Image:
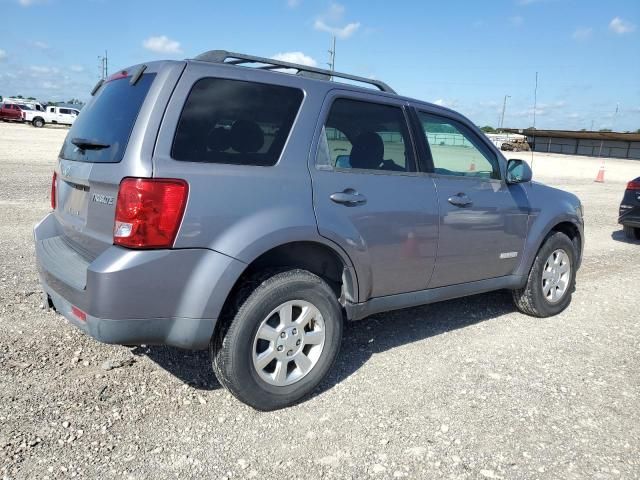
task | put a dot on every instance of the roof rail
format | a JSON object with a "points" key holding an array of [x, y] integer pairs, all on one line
{"points": [[231, 58]]}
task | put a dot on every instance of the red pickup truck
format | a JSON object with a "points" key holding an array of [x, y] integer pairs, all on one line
{"points": [[11, 112]]}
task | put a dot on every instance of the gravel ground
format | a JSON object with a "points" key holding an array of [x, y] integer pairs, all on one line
{"points": [[461, 389]]}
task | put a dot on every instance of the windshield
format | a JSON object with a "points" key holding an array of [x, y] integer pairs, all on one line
{"points": [[25, 107], [107, 121]]}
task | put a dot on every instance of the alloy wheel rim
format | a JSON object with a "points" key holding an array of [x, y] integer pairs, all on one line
{"points": [[556, 276], [288, 343]]}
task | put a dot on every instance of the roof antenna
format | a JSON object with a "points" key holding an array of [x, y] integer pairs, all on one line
{"points": [[535, 107]]}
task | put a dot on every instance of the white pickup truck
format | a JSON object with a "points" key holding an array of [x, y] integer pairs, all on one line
{"points": [[54, 115]]}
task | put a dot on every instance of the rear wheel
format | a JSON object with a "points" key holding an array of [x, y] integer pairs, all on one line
{"points": [[632, 233], [282, 341], [38, 122], [551, 280]]}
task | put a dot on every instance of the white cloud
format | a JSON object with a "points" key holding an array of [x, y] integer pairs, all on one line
{"points": [[329, 21], [582, 33], [47, 85], [28, 3], [41, 45], [162, 44], [76, 68], [293, 3], [516, 21], [445, 103], [39, 69], [620, 26], [296, 57], [3, 55]]}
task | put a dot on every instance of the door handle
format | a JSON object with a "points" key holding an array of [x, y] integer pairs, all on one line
{"points": [[348, 197], [460, 200]]}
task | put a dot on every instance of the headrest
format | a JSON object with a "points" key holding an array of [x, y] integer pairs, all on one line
{"points": [[219, 139], [367, 151], [246, 137]]}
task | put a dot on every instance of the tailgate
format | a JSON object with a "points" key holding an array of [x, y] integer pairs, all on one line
{"points": [[112, 138]]}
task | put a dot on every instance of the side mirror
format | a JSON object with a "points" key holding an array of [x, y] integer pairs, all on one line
{"points": [[518, 171]]}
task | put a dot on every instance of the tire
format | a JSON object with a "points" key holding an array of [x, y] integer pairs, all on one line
{"points": [[236, 349], [532, 299], [632, 233], [38, 122]]}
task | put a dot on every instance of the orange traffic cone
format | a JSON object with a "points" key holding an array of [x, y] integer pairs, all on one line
{"points": [[411, 248], [600, 176], [472, 167]]}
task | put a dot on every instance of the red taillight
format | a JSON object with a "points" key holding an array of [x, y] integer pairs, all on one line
{"points": [[633, 185], [149, 212], [54, 189], [79, 314]]}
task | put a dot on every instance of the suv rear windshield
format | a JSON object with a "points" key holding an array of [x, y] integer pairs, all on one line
{"points": [[236, 122], [106, 122]]}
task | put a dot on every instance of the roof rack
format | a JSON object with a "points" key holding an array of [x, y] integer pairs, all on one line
{"points": [[231, 58]]}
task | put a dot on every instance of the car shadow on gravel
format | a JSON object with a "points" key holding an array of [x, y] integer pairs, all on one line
{"points": [[190, 367], [361, 340], [619, 236], [382, 332]]}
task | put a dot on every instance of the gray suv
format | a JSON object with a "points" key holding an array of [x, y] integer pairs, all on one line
{"points": [[250, 206]]}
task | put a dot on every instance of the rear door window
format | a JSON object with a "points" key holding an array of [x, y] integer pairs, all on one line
{"points": [[107, 121], [235, 122]]}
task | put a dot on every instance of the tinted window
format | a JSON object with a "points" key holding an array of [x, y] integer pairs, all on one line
{"points": [[456, 150], [108, 120], [365, 136], [237, 122], [65, 111]]}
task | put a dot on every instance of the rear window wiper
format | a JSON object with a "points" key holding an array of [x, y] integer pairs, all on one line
{"points": [[84, 144]]}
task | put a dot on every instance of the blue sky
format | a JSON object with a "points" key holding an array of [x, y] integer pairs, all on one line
{"points": [[464, 54]]}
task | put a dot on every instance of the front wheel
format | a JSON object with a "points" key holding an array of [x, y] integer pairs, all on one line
{"points": [[551, 280], [282, 341], [632, 233], [38, 122]]}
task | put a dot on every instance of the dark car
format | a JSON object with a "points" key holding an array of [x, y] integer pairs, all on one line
{"points": [[630, 210], [10, 112]]}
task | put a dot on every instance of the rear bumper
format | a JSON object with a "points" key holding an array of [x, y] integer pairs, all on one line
{"points": [[629, 216], [167, 297], [190, 333]]}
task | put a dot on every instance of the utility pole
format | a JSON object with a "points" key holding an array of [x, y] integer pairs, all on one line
{"points": [[615, 117], [332, 56], [504, 107], [535, 102], [104, 65]]}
